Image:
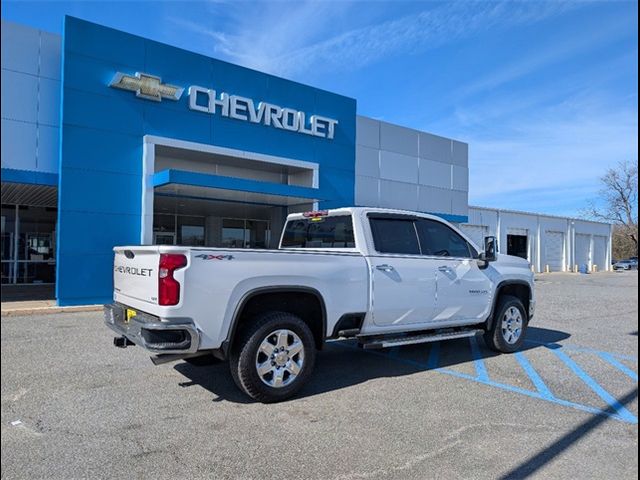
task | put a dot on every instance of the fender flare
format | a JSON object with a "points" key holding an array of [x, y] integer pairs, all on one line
{"points": [[496, 296], [226, 345]]}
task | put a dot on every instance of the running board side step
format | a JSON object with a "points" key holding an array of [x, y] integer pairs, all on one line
{"points": [[174, 357], [414, 339]]}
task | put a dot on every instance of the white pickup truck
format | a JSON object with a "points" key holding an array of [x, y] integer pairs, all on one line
{"points": [[382, 277]]}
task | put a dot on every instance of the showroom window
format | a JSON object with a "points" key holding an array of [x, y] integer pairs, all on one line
{"points": [[239, 233], [28, 244]]}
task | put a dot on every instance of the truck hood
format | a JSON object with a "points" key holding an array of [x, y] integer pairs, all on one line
{"points": [[508, 267], [512, 261]]}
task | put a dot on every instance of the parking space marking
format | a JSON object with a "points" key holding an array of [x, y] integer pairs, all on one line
{"points": [[534, 376], [595, 386], [615, 410], [481, 369], [607, 357], [434, 356], [575, 348]]}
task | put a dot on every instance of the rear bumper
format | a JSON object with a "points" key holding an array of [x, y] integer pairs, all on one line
{"points": [[150, 333]]}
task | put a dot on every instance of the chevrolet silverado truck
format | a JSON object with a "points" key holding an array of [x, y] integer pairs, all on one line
{"points": [[381, 277]]}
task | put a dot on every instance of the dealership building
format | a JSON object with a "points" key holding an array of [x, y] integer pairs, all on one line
{"points": [[113, 139]]}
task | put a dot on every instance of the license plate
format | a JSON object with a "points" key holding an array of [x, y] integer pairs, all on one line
{"points": [[130, 314]]}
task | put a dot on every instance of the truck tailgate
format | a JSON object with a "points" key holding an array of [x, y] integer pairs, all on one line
{"points": [[135, 273]]}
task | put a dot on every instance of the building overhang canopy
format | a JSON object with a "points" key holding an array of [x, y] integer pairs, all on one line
{"points": [[182, 183]]}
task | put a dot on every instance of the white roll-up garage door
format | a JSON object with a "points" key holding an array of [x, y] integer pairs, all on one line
{"points": [[600, 252], [476, 233], [583, 243], [554, 251]]}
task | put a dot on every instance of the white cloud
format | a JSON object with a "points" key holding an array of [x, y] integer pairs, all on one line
{"points": [[289, 38], [548, 144]]}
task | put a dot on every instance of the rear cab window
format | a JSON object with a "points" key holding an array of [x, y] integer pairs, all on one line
{"points": [[319, 232]]}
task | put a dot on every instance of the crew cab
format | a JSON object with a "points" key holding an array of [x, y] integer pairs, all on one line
{"points": [[382, 277]]}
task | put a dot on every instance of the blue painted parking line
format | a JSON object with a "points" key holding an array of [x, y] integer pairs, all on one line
{"points": [[532, 394], [434, 356], [620, 366], [582, 349], [593, 385], [615, 411], [481, 369], [536, 379]]}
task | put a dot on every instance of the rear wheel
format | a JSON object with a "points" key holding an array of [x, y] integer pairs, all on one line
{"points": [[274, 357], [509, 325]]}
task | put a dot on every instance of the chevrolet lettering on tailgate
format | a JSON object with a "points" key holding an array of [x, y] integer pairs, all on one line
{"points": [[143, 272]]}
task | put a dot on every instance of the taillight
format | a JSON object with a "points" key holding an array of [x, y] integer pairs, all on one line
{"points": [[168, 287]]}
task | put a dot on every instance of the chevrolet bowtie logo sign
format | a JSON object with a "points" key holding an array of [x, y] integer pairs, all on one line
{"points": [[236, 107], [146, 86]]}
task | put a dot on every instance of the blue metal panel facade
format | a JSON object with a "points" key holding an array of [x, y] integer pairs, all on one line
{"points": [[102, 129]]}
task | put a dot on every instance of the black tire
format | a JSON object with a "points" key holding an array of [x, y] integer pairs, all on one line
{"points": [[202, 360], [494, 337], [244, 354]]}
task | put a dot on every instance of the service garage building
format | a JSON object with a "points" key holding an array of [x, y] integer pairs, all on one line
{"points": [[110, 139]]}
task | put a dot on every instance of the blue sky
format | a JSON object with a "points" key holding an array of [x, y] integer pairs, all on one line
{"points": [[545, 93]]}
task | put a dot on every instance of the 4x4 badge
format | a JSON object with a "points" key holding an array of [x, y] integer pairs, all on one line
{"points": [[204, 256]]}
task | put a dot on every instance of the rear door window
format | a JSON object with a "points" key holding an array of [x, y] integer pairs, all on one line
{"points": [[391, 235]]}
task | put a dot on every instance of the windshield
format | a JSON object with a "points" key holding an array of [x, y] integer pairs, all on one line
{"points": [[319, 232]]}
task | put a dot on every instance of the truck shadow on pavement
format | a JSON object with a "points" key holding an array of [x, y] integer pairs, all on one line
{"points": [[342, 364]]}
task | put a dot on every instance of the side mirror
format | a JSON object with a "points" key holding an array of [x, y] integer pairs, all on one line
{"points": [[490, 247]]}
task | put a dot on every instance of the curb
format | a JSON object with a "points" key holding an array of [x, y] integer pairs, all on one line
{"points": [[16, 312]]}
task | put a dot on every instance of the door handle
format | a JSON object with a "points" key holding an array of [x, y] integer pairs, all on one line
{"points": [[444, 268], [385, 268]]}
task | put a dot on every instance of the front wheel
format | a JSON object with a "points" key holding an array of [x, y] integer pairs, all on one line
{"points": [[509, 325], [274, 357]]}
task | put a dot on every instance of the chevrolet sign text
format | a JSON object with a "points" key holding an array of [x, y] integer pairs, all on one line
{"points": [[241, 108]]}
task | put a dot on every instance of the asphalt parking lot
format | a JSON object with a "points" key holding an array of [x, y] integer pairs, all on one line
{"points": [[73, 406]]}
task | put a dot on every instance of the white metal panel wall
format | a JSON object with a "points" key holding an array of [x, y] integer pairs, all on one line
{"points": [[476, 233], [399, 167], [31, 65], [503, 222], [483, 216], [600, 252], [554, 251], [583, 246]]}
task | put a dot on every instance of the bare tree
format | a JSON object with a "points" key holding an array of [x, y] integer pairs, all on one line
{"points": [[619, 203]]}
